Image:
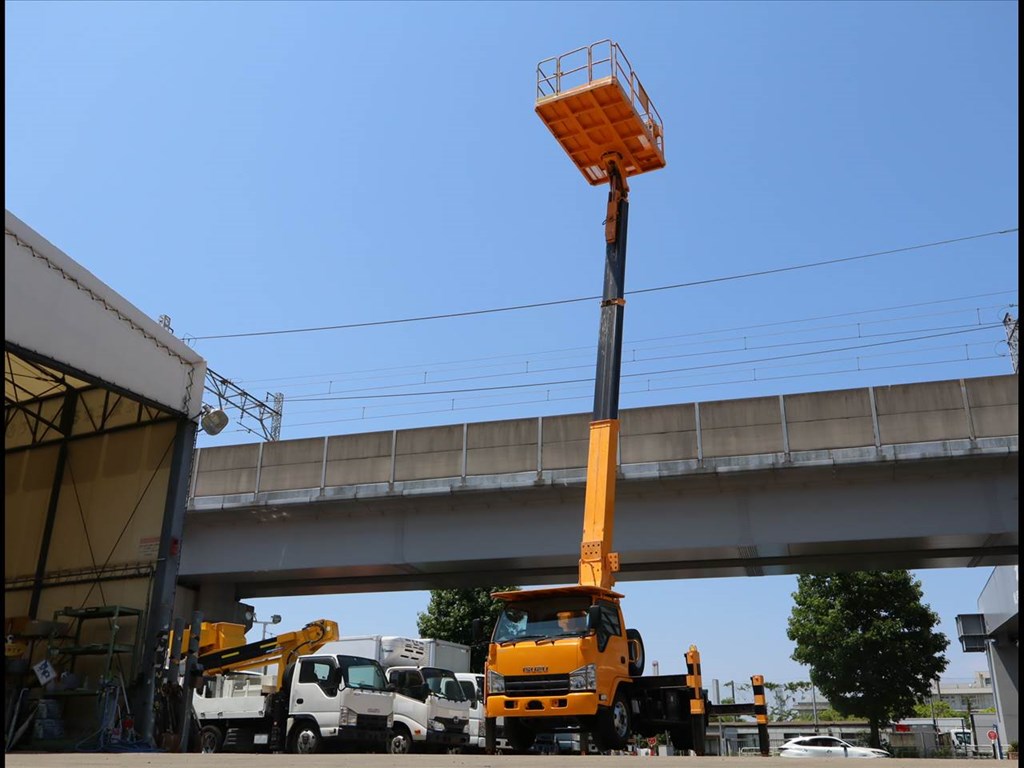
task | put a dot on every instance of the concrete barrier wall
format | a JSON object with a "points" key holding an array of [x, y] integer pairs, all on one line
{"points": [[917, 413], [359, 459], [227, 470], [742, 427], [500, 447], [993, 404], [565, 441], [823, 420], [816, 421], [291, 464], [665, 433], [421, 454]]}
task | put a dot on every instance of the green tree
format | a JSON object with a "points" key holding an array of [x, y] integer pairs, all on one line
{"points": [[935, 709], [829, 715], [783, 700], [450, 613], [869, 641]]}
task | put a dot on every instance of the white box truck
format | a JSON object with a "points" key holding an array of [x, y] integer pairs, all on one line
{"points": [[446, 655], [431, 710]]}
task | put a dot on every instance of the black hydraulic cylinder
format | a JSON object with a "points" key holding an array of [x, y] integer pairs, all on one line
{"points": [[609, 349]]}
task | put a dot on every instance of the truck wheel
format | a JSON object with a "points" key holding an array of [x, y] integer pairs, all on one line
{"points": [[614, 725], [520, 736], [636, 668], [306, 739], [211, 739], [400, 742]]}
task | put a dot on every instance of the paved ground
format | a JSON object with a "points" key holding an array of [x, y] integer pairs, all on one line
{"points": [[162, 760]]}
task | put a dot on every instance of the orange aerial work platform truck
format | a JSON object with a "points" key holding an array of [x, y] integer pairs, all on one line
{"points": [[563, 659]]}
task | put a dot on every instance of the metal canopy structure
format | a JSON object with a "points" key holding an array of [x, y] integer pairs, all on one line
{"points": [[100, 407]]}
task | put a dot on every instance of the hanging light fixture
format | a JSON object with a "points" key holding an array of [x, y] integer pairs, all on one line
{"points": [[213, 420]]}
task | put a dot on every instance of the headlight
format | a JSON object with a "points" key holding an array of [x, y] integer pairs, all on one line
{"points": [[495, 682], [435, 725], [347, 716], [583, 679]]}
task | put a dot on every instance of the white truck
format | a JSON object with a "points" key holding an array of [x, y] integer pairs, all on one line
{"points": [[473, 687], [446, 655], [431, 710], [320, 698], [456, 657]]}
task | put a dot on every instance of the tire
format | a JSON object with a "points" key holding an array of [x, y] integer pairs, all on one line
{"points": [[636, 669], [614, 725], [400, 742], [520, 736], [211, 740], [306, 739]]}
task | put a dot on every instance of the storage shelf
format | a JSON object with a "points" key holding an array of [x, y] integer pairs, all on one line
{"points": [[100, 612]]}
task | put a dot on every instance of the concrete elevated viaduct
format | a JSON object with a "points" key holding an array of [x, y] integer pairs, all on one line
{"points": [[917, 475]]}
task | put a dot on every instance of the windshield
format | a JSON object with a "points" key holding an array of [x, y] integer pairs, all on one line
{"points": [[563, 616], [443, 683], [357, 672]]}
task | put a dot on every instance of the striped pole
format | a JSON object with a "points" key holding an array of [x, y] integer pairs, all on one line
{"points": [[761, 713], [698, 716]]}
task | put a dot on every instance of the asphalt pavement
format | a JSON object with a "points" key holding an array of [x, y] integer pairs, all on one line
{"points": [[168, 760]]}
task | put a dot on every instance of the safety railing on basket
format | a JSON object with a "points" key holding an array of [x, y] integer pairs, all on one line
{"points": [[583, 66]]}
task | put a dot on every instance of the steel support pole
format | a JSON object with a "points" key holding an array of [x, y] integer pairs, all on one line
{"points": [[165, 578], [67, 421]]}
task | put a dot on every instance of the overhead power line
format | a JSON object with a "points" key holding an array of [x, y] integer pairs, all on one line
{"points": [[633, 393], [746, 348], [531, 385], [557, 302], [493, 361]]}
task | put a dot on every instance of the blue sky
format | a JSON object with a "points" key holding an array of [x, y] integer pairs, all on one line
{"points": [[254, 167]]}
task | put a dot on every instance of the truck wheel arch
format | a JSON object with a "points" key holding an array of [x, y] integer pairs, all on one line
{"points": [[301, 724], [211, 739]]}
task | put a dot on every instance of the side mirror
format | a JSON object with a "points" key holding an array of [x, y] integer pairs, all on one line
{"points": [[391, 688], [594, 617], [478, 631]]}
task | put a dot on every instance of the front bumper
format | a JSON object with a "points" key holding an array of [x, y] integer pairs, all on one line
{"points": [[357, 734], [448, 738], [579, 704]]}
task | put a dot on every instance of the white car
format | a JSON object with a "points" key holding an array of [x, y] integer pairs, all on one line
{"points": [[826, 746]]}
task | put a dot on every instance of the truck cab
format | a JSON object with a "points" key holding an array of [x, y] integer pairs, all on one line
{"points": [[431, 710], [562, 659], [338, 698]]}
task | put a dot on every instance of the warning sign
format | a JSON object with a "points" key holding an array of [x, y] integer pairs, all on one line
{"points": [[149, 546]]}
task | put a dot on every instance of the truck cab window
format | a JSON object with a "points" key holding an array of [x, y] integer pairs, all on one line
{"points": [[610, 625], [321, 672], [361, 673]]}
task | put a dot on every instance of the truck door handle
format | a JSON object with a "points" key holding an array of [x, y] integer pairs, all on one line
{"points": [[298, 701], [622, 659]]}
